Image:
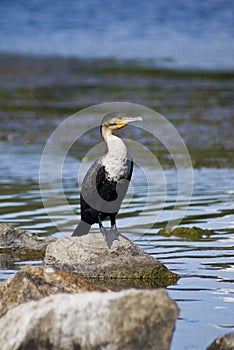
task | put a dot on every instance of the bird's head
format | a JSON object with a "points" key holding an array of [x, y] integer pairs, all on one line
{"points": [[116, 120]]}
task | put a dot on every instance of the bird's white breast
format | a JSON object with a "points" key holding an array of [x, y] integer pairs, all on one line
{"points": [[115, 161]]}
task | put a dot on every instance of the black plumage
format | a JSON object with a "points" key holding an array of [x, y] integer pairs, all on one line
{"points": [[106, 182]]}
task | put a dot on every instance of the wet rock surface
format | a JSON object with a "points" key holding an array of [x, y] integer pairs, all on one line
{"points": [[129, 320], [34, 283], [6, 261], [16, 242], [224, 342], [125, 264]]}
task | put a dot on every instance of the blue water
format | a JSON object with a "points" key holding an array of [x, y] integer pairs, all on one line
{"points": [[205, 292], [194, 34]]}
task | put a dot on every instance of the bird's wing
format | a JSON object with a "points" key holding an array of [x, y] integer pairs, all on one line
{"points": [[89, 188], [130, 168], [96, 188]]}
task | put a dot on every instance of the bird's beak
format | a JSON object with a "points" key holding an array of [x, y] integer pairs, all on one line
{"points": [[127, 120], [133, 119]]}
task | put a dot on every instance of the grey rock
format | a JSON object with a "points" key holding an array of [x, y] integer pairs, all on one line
{"points": [[12, 237], [129, 320], [124, 263], [223, 342], [19, 243]]}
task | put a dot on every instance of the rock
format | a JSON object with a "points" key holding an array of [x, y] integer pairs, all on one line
{"points": [[190, 233], [13, 237], [223, 342], [22, 244], [34, 283], [6, 262], [124, 264], [130, 320]]}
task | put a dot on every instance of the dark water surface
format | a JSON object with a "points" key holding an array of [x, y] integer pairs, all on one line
{"points": [[205, 292]]}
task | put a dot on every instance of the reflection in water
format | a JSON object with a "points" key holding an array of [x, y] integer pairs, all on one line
{"points": [[205, 293]]}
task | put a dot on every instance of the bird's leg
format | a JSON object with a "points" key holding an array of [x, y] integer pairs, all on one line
{"points": [[112, 220], [114, 230], [108, 236], [113, 223], [102, 228]]}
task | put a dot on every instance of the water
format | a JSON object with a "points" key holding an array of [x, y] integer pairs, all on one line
{"points": [[205, 292], [176, 33]]}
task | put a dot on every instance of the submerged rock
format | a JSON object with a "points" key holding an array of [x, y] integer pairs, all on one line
{"points": [[19, 243], [6, 261], [190, 233], [129, 320], [124, 264], [34, 283], [223, 342]]}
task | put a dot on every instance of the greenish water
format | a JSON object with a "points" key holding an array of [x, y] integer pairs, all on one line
{"points": [[37, 93]]}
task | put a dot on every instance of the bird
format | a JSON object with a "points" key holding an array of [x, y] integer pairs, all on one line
{"points": [[106, 182]]}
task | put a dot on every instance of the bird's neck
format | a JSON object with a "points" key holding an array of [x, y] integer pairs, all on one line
{"points": [[116, 148], [116, 159]]}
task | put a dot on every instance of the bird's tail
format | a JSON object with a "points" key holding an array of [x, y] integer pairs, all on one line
{"points": [[81, 229]]}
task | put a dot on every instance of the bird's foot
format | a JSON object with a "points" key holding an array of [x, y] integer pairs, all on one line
{"points": [[110, 235]]}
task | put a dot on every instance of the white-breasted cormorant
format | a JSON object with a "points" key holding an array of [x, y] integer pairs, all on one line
{"points": [[106, 182]]}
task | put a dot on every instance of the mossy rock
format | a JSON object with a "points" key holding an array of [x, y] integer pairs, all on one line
{"points": [[190, 233], [24, 254], [146, 277]]}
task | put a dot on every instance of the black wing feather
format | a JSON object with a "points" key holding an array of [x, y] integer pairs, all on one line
{"points": [[96, 184]]}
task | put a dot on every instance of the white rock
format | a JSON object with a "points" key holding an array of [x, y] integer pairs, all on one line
{"points": [[130, 320]]}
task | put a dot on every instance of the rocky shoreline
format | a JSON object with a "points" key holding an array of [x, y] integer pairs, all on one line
{"points": [[61, 298], [124, 265], [74, 293], [84, 296]]}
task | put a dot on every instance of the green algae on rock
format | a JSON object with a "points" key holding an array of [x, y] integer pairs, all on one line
{"points": [[24, 254], [151, 277], [190, 233]]}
